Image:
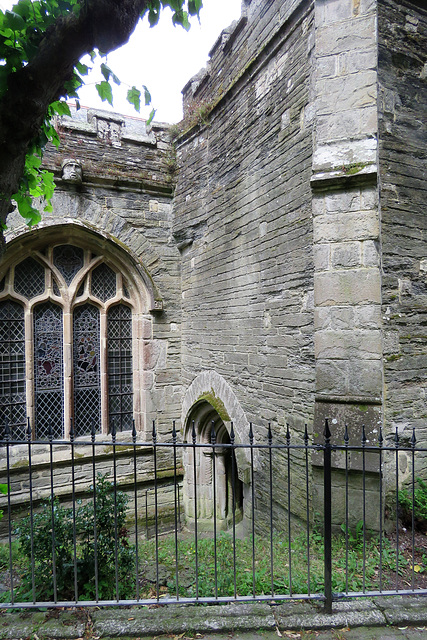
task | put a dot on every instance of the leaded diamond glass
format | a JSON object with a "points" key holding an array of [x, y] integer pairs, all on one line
{"points": [[48, 370], [68, 260], [56, 288], [119, 338], [12, 370], [103, 282], [87, 393], [2, 284], [29, 278]]}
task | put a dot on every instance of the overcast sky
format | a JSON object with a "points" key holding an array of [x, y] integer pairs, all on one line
{"points": [[163, 58]]}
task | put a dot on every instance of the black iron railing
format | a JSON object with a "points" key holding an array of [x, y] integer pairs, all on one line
{"points": [[110, 521]]}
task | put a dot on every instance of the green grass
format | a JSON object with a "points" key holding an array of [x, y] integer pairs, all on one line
{"points": [[226, 582], [246, 576]]}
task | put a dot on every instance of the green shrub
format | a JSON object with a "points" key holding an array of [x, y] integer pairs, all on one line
{"points": [[65, 564], [420, 505]]}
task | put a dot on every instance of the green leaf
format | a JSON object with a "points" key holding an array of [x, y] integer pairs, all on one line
{"points": [[150, 119], [3, 488], [194, 7], [181, 17], [107, 73], [153, 17], [26, 210], [14, 21], [147, 95], [61, 108], [105, 92], [134, 97], [83, 69]]}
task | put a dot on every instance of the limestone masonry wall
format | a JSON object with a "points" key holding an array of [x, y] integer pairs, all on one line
{"points": [[402, 74]]}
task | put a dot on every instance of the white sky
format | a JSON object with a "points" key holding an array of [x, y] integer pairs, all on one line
{"points": [[163, 58]]}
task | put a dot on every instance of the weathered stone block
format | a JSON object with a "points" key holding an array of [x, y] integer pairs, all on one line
{"points": [[357, 286], [339, 344], [346, 255]]}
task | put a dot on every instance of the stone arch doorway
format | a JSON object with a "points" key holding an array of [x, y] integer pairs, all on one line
{"points": [[202, 463]]}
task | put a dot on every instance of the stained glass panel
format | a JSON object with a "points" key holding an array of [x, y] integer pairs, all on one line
{"points": [[68, 260], [48, 370], [87, 392], [119, 339], [103, 282], [12, 370], [29, 278]]}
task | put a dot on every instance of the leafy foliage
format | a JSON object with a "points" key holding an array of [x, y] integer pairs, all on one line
{"points": [[22, 32], [52, 531], [3, 489], [419, 504]]}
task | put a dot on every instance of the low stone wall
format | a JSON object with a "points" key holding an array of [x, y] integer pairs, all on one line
{"points": [[59, 466]]}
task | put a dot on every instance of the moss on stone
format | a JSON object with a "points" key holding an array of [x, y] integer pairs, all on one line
{"points": [[216, 403]]}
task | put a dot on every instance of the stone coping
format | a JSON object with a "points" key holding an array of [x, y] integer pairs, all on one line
{"points": [[146, 621]]}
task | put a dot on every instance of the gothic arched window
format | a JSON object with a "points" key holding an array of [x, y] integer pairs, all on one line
{"points": [[65, 344]]}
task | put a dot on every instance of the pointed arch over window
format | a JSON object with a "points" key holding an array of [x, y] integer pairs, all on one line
{"points": [[67, 318]]}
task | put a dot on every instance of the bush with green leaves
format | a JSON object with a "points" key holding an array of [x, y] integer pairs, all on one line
{"points": [[49, 540], [419, 504]]}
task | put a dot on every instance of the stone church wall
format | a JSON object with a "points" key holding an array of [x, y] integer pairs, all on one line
{"points": [[403, 157], [244, 227]]}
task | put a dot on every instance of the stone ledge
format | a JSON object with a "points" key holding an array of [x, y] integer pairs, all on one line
{"points": [[143, 621]]}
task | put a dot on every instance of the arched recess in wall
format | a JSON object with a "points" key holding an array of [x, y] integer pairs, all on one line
{"points": [[214, 479], [211, 480], [73, 310]]}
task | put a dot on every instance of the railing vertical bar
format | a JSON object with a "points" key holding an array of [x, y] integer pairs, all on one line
{"points": [[196, 540], [213, 443], [9, 510], [270, 444], [380, 453], [30, 477], [288, 442], [52, 506], [176, 507], [95, 517], [396, 444], [233, 498], [135, 495], [327, 517], [146, 515], [346, 442], [116, 529], [156, 521], [413, 443], [307, 494], [73, 493], [364, 506], [251, 442]]}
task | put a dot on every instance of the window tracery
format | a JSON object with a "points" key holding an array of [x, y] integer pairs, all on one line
{"points": [[53, 366]]}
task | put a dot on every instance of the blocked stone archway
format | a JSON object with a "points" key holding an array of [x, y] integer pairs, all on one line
{"points": [[204, 466]]}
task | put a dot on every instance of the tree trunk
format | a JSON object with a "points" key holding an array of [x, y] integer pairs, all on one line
{"points": [[101, 24]]}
